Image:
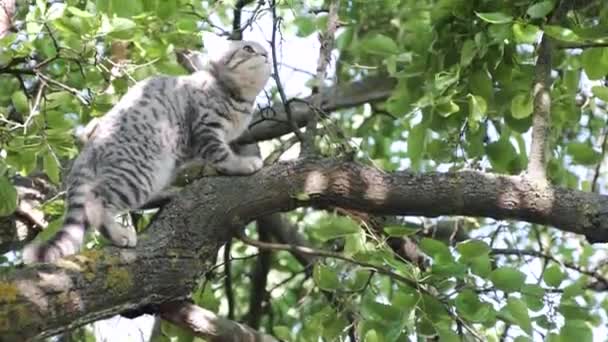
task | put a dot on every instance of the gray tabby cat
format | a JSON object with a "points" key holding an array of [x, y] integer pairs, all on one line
{"points": [[158, 126]]}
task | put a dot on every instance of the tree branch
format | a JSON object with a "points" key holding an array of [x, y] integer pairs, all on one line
{"points": [[541, 121], [205, 324], [327, 46], [370, 89], [181, 243], [258, 294]]}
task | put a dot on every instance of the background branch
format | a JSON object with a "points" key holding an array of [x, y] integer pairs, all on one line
{"points": [[205, 324]]}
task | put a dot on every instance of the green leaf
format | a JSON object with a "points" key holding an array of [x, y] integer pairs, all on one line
{"points": [[534, 296], [501, 153], [521, 106], [473, 249], [477, 110], [553, 276], [540, 9], [600, 92], [400, 231], [525, 33], [20, 102], [79, 13], [126, 9], [573, 330], [495, 17], [481, 266], [508, 279], [372, 336], [561, 33], [480, 84], [583, 153], [517, 312], [467, 52], [379, 44], [51, 167], [415, 144], [595, 62], [8, 197], [435, 249], [306, 26], [55, 11], [336, 226], [447, 108], [325, 277], [468, 304], [282, 332]]}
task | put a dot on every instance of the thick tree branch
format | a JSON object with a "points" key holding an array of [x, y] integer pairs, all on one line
{"points": [[183, 240], [205, 324], [541, 121]]}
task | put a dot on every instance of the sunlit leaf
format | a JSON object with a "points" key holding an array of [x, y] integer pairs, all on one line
{"points": [[495, 17]]}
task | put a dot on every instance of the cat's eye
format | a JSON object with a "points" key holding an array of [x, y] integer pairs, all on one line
{"points": [[248, 48]]}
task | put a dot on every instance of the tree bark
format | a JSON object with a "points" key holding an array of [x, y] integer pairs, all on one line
{"points": [[204, 323], [181, 244]]}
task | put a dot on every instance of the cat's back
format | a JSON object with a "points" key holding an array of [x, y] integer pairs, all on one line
{"points": [[148, 104]]}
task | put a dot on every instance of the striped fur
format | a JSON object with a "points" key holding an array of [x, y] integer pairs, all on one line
{"points": [[158, 126]]}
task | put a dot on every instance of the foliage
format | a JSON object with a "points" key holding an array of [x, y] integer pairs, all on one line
{"points": [[463, 99]]}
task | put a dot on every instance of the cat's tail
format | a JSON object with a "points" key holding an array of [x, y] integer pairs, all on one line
{"points": [[70, 238]]}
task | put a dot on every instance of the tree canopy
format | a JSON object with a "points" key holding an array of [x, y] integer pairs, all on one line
{"points": [[438, 173]]}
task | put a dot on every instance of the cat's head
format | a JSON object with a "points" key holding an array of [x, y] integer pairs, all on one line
{"points": [[245, 65]]}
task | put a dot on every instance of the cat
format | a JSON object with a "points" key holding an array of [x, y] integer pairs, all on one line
{"points": [[160, 125]]}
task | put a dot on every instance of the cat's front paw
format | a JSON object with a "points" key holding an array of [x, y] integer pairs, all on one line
{"points": [[242, 166]]}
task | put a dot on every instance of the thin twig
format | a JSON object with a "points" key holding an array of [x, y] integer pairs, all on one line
{"points": [[34, 110], [228, 279], [565, 46], [537, 254], [276, 22]]}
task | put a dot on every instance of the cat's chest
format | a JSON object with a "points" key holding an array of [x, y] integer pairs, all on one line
{"points": [[238, 123]]}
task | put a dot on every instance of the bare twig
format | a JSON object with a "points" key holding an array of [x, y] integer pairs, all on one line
{"points": [[276, 22], [237, 29], [564, 46], [594, 274], [327, 45], [65, 87]]}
